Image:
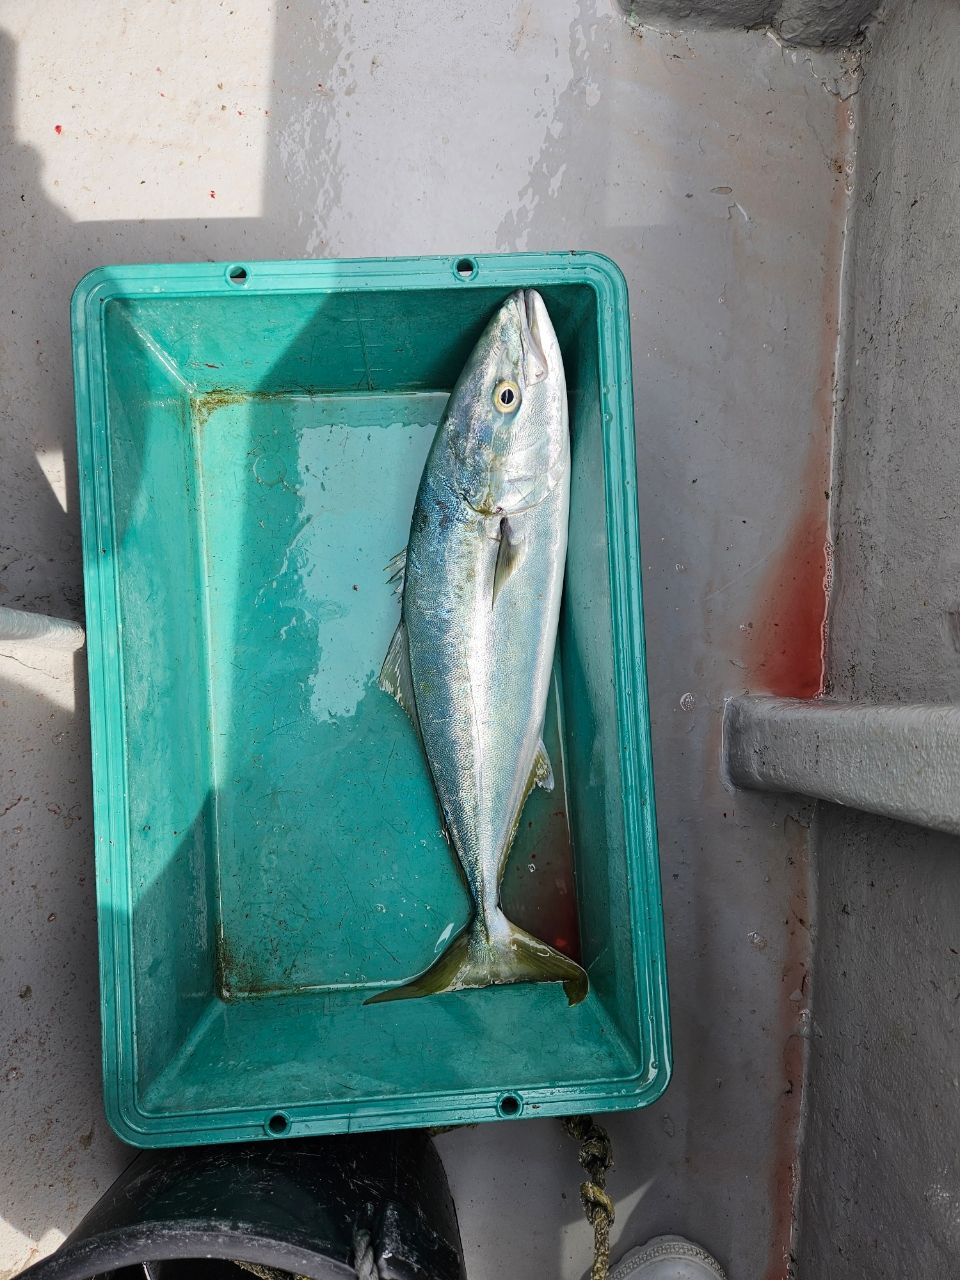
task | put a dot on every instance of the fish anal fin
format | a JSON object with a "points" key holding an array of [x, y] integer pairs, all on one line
{"points": [[509, 555], [395, 675], [541, 775]]}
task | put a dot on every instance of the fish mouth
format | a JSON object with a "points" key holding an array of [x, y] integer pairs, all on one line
{"points": [[533, 325]]}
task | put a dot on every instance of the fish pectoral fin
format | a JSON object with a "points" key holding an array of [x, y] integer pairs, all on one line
{"points": [[396, 569], [509, 554], [396, 677]]}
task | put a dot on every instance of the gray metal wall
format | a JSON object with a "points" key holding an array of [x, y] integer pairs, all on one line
{"points": [[881, 1189]]}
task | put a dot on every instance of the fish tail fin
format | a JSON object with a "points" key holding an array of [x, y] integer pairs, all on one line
{"points": [[528, 959], [492, 952], [449, 972]]}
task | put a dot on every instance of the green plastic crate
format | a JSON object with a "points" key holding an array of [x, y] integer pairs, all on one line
{"points": [[268, 852]]}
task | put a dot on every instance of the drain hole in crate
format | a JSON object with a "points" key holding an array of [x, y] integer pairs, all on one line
{"points": [[509, 1105], [278, 1124], [237, 275], [466, 268]]}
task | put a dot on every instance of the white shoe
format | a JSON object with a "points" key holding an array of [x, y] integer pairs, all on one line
{"points": [[667, 1258]]}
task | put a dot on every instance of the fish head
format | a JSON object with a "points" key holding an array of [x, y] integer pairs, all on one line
{"points": [[506, 423]]}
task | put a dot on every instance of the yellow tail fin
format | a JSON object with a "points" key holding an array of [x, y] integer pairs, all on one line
{"points": [[492, 953]]}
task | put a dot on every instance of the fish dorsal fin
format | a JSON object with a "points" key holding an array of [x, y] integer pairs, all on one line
{"points": [[509, 555], [396, 570], [395, 675]]}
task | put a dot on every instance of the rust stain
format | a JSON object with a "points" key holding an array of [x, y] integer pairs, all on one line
{"points": [[786, 655], [785, 646], [203, 405], [236, 976], [785, 640], [794, 998]]}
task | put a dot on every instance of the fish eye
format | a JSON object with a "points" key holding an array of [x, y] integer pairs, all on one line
{"points": [[506, 396]]}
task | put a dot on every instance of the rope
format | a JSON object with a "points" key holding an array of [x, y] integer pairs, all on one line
{"points": [[364, 1260], [596, 1157], [265, 1273]]}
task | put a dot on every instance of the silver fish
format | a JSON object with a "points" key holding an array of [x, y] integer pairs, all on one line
{"points": [[471, 659]]}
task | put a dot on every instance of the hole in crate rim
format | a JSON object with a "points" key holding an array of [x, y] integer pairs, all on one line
{"points": [[237, 273], [510, 1104], [465, 268], [278, 1124]]}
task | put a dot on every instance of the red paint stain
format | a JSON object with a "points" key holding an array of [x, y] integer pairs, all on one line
{"points": [[213, 194], [58, 128]]}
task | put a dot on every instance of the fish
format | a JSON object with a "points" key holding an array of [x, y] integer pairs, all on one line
{"points": [[471, 660]]}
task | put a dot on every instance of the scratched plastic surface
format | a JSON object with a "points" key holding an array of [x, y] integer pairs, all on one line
{"points": [[268, 841]]}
